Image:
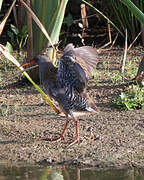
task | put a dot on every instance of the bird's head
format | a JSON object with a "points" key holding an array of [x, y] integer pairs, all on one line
{"points": [[39, 59], [46, 68]]}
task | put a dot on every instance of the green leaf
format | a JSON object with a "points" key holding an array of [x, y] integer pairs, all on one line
{"points": [[69, 20], [133, 99], [135, 10], [9, 47], [14, 29], [24, 30], [11, 35], [56, 22]]}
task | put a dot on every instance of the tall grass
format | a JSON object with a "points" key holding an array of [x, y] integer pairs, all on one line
{"points": [[124, 18], [123, 15]]}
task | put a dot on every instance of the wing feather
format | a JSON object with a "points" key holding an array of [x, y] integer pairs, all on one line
{"points": [[86, 57]]}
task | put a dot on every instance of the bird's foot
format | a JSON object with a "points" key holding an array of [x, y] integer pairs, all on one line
{"points": [[62, 137], [57, 139], [74, 142]]}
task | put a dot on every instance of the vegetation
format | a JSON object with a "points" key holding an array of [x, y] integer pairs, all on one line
{"points": [[51, 15], [132, 99], [125, 18], [18, 39]]}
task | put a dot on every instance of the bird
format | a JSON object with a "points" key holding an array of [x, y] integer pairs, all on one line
{"points": [[67, 83]]}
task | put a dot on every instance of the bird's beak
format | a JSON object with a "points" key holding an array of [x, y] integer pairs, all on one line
{"points": [[28, 63]]}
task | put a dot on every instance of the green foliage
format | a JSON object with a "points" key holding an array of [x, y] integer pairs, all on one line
{"points": [[4, 65], [133, 8], [51, 14], [124, 18], [103, 13], [122, 14], [68, 20], [133, 99], [106, 66], [18, 39], [5, 110], [9, 47], [115, 76], [131, 68]]}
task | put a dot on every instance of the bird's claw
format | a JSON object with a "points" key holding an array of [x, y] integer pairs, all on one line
{"points": [[62, 137], [74, 142]]}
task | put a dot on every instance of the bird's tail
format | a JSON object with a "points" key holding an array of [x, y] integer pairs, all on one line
{"points": [[90, 109], [91, 106]]}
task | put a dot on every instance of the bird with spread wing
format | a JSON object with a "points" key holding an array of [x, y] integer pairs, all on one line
{"points": [[67, 84]]}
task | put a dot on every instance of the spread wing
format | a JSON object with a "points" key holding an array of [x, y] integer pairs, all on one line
{"points": [[76, 65], [86, 57]]}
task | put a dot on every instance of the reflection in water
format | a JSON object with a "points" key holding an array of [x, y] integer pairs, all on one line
{"points": [[27, 172]]}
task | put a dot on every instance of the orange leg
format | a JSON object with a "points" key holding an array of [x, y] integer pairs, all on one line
{"points": [[62, 134], [77, 130]]}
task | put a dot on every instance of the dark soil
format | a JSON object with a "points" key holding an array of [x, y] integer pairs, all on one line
{"points": [[117, 136]]}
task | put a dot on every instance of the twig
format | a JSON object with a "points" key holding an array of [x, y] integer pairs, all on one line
{"points": [[2, 24], [134, 40], [110, 39], [83, 15], [27, 69], [114, 40], [80, 19], [125, 54]]}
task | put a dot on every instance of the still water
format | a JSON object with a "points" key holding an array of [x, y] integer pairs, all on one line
{"points": [[27, 172]]}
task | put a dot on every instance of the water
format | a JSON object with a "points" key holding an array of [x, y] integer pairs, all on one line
{"points": [[29, 172]]}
